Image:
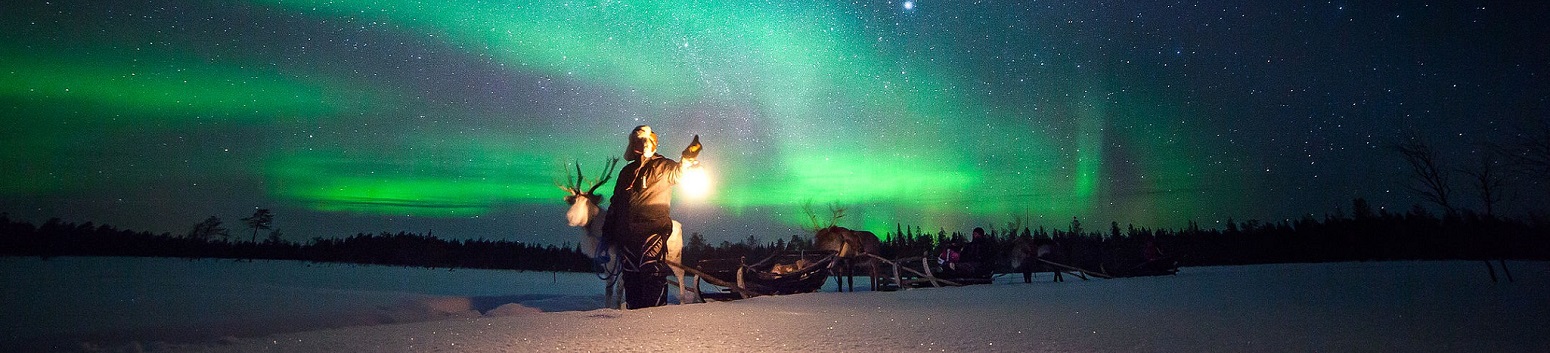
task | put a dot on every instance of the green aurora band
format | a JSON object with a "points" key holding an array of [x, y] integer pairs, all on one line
{"points": [[814, 103]]}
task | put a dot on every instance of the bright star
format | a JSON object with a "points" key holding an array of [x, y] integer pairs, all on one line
{"points": [[909, 5]]}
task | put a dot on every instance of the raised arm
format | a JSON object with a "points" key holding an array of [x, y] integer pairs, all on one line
{"points": [[690, 157]]}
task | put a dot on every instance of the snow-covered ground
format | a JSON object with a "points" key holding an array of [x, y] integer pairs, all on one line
{"points": [[281, 306], [60, 302]]}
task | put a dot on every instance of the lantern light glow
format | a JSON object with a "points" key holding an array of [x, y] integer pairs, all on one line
{"points": [[695, 183]]}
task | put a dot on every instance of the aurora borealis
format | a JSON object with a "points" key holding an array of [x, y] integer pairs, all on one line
{"points": [[460, 117]]}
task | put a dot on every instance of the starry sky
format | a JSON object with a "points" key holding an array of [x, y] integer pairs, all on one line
{"points": [[460, 117]]}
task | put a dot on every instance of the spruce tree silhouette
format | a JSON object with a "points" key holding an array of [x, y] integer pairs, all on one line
{"points": [[261, 219]]}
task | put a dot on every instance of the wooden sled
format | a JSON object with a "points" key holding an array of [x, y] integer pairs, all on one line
{"points": [[916, 272], [742, 280], [746, 281]]}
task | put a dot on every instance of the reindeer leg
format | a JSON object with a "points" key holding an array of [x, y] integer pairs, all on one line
{"points": [[675, 251], [619, 301], [616, 288], [608, 278], [850, 275], [872, 268], [683, 293], [839, 276], [845, 272], [616, 283], [839, 284], [608, 292]]}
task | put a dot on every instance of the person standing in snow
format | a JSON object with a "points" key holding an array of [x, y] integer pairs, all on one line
{"points": [[638, 218]]}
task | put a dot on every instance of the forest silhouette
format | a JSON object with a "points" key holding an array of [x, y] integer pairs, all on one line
{"points": [[1362, 235], [209, 239]]}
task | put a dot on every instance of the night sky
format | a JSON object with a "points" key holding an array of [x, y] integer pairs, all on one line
{"points": [[460, 117]]}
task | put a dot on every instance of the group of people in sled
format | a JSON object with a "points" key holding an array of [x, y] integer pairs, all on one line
{"points": [[972, 260]]}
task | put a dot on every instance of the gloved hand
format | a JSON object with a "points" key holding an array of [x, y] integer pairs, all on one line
{"points": [[693, 151]]}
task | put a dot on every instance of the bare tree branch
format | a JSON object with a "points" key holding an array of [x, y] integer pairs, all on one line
{"points": [[1426, 171], [1487, 181]]}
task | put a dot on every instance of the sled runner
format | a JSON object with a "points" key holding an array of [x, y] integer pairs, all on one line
{"points": [[917, 272]]}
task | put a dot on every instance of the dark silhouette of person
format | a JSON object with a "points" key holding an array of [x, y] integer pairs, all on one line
{"points": [[977, 255], [638, 219]]}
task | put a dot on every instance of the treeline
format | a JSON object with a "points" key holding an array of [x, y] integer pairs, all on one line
{"points": [[1362, 235], [59, 238]]}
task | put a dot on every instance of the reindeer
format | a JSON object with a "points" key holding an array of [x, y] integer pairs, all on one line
{"points": [[585, 213], [848, 246]]}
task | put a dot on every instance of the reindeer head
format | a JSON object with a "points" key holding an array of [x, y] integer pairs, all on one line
{"points": [[584, 204], [829, 236]]}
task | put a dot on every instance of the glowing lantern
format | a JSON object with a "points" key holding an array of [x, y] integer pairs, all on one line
{"points": [[695, 182]]}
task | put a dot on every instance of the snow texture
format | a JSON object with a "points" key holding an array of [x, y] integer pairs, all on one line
{"points": [[224, 306]]}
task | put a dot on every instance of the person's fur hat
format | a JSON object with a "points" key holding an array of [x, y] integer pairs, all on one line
{"points": [[637, 142]]}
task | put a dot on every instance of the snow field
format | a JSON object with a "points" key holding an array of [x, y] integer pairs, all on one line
{"points": [[1447, 306]]}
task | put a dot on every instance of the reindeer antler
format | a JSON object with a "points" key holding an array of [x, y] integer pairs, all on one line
{"points": [[836, 212], [607, 174], [812, 217], [579, 176], [566, 184]]}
